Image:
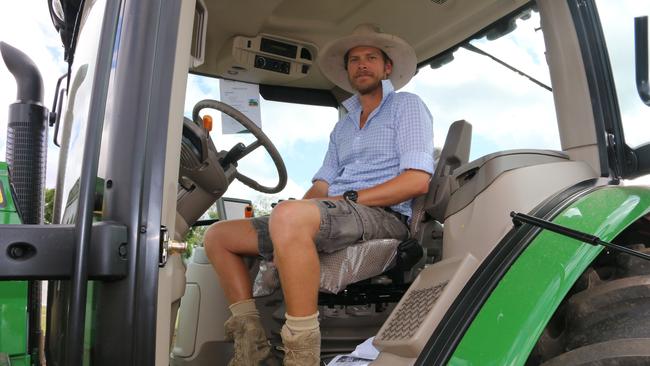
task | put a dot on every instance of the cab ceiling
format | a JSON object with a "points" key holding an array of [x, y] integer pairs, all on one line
{"points": [[430, 26]]}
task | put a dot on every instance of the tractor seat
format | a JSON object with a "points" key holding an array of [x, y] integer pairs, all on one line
{"points": [[391, 257]]}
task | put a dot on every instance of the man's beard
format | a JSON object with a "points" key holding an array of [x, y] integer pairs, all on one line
{"points": [[369, 88]]}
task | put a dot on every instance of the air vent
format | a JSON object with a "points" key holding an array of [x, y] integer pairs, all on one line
{"points": [[197, 50], [439, 2]]}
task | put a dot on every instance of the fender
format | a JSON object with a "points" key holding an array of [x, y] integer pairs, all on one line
{"points": [[514, 315], [8, 211], [13, 294]]}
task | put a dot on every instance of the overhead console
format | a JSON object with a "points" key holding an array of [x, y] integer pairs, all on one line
{"points": [[274, 55]]}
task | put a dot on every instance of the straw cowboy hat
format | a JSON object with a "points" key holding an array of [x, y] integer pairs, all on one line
{"points": [[400, 52]]}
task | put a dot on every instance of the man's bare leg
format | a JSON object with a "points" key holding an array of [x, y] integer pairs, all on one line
{"points": [[225, 244], [293, 226]]}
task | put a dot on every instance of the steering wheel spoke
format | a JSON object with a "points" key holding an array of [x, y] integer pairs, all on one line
{"points": [[250, 148]]}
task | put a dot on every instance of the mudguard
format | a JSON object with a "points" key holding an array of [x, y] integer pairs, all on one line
{"points": [[507, 326], [13, 294], [8, 212]]}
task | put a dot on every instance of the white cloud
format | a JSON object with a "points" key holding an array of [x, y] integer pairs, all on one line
{"points": [[617, 19], [286, 125], [289, 127], [199, 88], [239, 190], [26, 25], [300, 123], [504, 108]]}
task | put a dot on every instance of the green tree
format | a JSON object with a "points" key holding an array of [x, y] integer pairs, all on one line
{"points": [[263, 205], [49, 205], [194, 237]]}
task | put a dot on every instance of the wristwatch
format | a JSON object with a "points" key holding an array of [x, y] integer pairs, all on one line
{"points": [[351, 195]]}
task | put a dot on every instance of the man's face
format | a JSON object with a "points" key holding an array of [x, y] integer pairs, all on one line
{"points": [[367, 68]]}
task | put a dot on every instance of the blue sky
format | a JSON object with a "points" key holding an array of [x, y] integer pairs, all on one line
{"points": [[506, 110]]}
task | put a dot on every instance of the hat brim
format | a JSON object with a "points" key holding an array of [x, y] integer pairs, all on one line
{"points": [[401, 53]]}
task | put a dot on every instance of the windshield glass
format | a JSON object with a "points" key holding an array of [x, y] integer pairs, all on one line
{"points": [[507, 110]]}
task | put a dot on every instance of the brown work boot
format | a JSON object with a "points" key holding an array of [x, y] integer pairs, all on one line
{"points": [[251, 346], [301, 349]]}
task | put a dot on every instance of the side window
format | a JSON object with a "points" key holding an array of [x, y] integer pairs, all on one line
{"points": [[74, 120], [507, 110], [617, 20]]}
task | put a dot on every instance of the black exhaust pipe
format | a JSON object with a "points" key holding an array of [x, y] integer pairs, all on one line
{"points": [[26, 135], [26, 158]]}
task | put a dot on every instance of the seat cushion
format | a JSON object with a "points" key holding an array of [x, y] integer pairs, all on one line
{"points": [[338, 269], [356, 263]]}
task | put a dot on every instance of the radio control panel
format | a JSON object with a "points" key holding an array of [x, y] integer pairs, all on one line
{"points": [[271, 64], [273, 54]]}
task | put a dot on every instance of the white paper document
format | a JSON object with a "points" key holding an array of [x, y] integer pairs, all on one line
{"points": [[347, 360], [366, 350], [245, 98], [363, 355]]}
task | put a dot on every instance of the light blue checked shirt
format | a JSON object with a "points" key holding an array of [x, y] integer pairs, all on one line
{"points": [[398, 135]]}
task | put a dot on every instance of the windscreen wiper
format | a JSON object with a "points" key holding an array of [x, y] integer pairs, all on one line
{"points": [[519, 218], [470, 47]]}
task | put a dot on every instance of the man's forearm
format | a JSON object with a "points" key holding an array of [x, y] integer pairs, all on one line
{"points": [[405, 186], [317, 190]]}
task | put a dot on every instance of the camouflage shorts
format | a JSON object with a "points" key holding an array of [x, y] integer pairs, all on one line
{"points": [[342, 223]]}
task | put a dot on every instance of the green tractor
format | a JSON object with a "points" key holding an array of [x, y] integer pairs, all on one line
{"points": [[524, 256], [14, 330]]}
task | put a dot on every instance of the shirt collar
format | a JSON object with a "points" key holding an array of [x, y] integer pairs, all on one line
{"points": [[353, 103]]}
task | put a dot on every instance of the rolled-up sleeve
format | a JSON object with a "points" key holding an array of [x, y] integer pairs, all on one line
{"points": [[414, 126], [330, 168]]}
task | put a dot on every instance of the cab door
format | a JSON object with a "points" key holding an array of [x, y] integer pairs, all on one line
{"points": [[606, 35]]}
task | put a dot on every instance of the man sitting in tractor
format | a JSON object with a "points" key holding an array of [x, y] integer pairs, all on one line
{"points": [[380, 156]]}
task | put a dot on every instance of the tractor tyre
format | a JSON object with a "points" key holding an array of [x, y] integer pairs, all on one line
{"points": [[605, 318]]}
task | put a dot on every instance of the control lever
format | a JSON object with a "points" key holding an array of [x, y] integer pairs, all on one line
{"points": [[233, 155], [409, 253]]}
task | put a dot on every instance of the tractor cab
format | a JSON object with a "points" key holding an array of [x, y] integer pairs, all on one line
{"points": [[176, 114]]}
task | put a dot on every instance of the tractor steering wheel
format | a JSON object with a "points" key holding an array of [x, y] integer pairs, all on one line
{"points": [[238, 151]]}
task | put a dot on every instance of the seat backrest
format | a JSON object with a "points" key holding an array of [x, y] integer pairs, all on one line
{"points": [[428, 210], [454, 153]]}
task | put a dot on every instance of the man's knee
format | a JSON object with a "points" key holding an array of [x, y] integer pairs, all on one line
{"points": [[233, 236], [287, 214], [213, 237], [294, 218], [222, 235]]}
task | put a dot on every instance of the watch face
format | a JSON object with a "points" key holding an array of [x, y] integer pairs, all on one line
{"points": [[351, 195]]}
